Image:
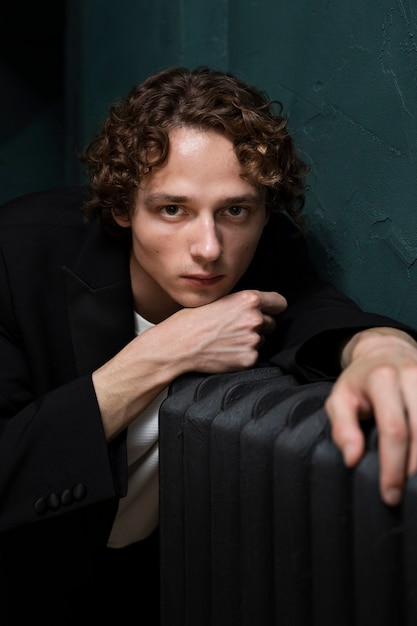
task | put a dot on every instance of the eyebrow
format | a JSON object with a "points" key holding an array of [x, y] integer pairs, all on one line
{"points": [[165, 197]]}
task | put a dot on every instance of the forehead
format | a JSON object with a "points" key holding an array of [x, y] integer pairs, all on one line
{"points": [[193, 145], [200, 158]]}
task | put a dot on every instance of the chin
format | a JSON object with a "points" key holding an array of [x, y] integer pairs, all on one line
{"points": [[194, 302]]}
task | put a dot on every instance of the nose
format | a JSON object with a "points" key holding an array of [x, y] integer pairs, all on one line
{"points": [[206, 242]]}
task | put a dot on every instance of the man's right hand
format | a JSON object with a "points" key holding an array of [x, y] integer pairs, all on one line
{"points": [[218, 337], [225, 335]]}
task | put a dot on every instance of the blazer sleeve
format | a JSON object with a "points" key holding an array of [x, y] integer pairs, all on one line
{"points": [[54, 457], [310, 334]]}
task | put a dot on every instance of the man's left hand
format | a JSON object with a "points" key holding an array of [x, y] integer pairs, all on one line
{"points": [[379, 380]]}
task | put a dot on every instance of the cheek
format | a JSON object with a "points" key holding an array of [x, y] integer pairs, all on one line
{"points": [[154, 252], [241, 256], [244, 251], [250, 243]]}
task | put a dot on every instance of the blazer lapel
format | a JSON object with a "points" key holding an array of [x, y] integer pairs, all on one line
{"points": [[99, 299]]}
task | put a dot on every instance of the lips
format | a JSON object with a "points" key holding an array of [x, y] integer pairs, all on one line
{"points": [[203, 280]]}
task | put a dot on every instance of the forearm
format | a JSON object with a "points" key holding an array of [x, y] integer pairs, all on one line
{"points": [[129, 382]]}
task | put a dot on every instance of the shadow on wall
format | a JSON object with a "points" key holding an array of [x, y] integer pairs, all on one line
{"points": [[32, 79]]}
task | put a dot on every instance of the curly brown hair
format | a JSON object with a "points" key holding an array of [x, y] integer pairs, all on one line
{"points": [[134, 139]]}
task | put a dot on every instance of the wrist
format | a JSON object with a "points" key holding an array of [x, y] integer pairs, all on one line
{"points": [[371, 339]]}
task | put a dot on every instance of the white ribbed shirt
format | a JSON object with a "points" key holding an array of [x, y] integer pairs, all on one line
{"points": [[138, 512]]}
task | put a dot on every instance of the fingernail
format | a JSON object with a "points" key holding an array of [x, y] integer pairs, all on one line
{"points": [[392, 496]]}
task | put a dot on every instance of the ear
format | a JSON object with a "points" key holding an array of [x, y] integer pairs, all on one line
{"points": [[122, 219]]}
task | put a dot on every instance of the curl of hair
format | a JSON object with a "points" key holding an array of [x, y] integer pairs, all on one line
{"points": [[134, 139]]}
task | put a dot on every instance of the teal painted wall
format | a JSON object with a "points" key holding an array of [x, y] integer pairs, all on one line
{"points": [[346, 72]]}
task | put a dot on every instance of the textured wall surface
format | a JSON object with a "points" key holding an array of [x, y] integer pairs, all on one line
{"points": [[346, 73], [352, 95]]}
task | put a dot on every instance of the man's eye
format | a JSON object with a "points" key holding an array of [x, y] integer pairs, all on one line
{"points": [[236, 211], [170, 209]]}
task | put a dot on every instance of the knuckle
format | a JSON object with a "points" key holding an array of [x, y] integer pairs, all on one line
{"points": [[253, 318], [251, 297], [384, 374], [409, 375], [394, 429], [250, 360]]}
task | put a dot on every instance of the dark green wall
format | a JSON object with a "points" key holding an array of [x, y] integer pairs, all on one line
{"points": [[346, 72], [32, 88]]}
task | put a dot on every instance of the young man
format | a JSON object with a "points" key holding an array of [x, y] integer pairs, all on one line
{"points": [[184, 254]]}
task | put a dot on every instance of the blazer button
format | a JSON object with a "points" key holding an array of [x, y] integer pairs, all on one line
{"points": [[53, 501], [79, 492], [66, 497], [40, 506]]}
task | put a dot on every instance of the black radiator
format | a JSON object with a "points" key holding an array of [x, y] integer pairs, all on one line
{"points": [[261, 524]]}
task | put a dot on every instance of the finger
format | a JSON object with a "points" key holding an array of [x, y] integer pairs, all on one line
{"points": [[409, 394], [272, 302], [342, 409], [412, 450], [268, 325], [391, 418]]}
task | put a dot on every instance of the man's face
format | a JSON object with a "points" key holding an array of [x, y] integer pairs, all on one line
{"points": [[195, 226]]}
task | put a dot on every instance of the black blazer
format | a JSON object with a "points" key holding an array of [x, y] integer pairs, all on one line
{"points": [[65, 308]]}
